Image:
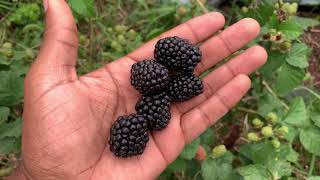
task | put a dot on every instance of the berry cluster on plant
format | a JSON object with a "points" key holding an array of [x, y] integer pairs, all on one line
{"points": [[167, 78], [270, 128]]}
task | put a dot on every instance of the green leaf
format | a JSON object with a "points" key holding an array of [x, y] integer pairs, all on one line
{"points": [[12, 129], [4, 114], [290, 29], [263, 12], [218, 168], [304, 23], [10, 145], [315, 113], [298, 55], [82, 7], [289, 154], [298, 114], [254, 172], [275, 60], [292, 134], [11, 88], [279, 168], [314, 178], [7, 145], [190, 150], [258, 153], [289, 77], [207, 137], [310, 139], [268, 103], [178, 165]]}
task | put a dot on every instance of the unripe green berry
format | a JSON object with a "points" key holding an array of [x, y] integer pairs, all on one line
{"points": [[7, 45], [219, 150], [116, 46], [109, 30], [244, 9], [83, 40], [276, 143], [283, 130], [257, 123], [121, 39], [272, 117], [132, 34], [120, 29], [253, 137], [286, 6], [182, 10], [285, 46], [267, 131], [292, 9], [29, 53]]}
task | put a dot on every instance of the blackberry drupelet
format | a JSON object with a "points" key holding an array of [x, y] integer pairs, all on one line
{"points": [[149, 77], [129, 135], [177, 54], [184, 87], [156, 109]]}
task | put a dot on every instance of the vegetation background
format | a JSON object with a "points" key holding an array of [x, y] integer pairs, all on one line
{"points": [[273, 133]]}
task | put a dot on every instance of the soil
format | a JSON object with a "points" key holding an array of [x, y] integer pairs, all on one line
{"points": [[312, 38]]}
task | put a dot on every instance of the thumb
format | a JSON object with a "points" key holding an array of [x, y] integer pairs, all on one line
{"points": [[56, 61]]}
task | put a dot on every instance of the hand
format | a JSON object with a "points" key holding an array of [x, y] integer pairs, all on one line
{"points": [[67, 117]]}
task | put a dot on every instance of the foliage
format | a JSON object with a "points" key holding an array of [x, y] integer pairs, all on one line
{"points": [[279, 131]]}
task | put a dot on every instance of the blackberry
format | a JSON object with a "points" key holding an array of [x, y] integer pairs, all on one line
{"points": [[129, 135], [184, 87], [177, 54], [156, 109], [149, 77]]}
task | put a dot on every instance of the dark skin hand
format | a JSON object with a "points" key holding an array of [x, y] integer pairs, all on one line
{"points": [[67, 117]]}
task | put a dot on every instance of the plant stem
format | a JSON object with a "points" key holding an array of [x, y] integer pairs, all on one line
{"points": [[313, 160], [310, 91], [203, 8], [247, 110], [267, 86]]}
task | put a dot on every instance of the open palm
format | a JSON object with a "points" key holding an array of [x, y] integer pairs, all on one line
{"points": [[67, 118]]}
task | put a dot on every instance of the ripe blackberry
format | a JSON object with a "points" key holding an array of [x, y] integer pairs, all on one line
{"points": [[184, 87], [177, 54], [149, 77], [156, 109], [129, 135]]}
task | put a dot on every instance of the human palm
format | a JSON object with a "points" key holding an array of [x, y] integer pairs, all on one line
{"points": [[67, 118]]}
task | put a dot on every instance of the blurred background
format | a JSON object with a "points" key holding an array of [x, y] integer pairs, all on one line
{"points": [[273, 133]]}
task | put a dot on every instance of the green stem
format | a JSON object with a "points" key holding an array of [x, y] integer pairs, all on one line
{"points": [[267, 86], [203, 8], [313, 160], [247, 110], [310, 91]]}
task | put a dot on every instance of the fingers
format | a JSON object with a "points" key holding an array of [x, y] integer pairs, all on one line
{"points": [[203, 116], [195, 30], [58, 53], [227, 42]]}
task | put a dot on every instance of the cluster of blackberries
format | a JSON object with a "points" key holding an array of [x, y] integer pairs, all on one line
{"points": [[167, 78]]}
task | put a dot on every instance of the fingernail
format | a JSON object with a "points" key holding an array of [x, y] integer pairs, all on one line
{"points": [[45, 5]]}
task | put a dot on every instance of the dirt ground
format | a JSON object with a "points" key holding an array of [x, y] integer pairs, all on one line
{"points": [[312, 38]]}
